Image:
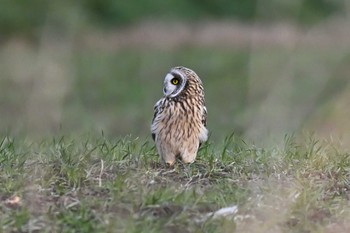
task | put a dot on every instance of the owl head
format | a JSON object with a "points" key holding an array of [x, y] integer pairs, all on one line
{"points": [[180, 79]]}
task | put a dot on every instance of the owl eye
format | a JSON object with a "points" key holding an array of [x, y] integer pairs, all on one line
{"points": [[175, 81]]}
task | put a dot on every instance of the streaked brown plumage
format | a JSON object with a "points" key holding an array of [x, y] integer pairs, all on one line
{"points": [[179, 122]]}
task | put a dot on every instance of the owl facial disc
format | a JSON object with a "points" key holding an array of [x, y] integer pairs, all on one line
{"points": [[174, 83]]}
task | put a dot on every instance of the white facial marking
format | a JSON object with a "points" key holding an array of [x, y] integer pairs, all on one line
{"points": [[169, 88]]}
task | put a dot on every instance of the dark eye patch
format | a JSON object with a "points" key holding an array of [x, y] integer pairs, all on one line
{"points": [[176, 80]]}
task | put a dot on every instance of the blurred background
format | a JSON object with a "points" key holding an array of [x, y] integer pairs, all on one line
{"points": [[269, 68]]}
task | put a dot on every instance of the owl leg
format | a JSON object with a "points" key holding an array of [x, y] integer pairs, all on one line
{"points": [[167, 155], [188, 156], [169, 159]]}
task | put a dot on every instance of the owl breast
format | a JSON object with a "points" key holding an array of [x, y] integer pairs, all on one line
{"points": [[179, 126]]}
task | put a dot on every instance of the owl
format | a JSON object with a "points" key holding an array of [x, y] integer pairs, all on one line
{"points": [[180, 117]]}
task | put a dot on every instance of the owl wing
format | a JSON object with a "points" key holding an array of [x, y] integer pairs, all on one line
{"points": [[157, 109]]}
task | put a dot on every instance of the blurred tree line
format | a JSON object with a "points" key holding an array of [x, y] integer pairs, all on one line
{"points": [[27, 16]]}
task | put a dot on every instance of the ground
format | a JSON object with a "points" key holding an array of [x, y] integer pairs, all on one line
{"points": [[118, 185]]}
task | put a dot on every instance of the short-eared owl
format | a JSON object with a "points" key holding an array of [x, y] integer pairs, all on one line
{"points": [[179, 123]]}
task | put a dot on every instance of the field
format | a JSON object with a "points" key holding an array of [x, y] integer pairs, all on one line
{"points": [[75, 149], [99, 185], [258, 88]]}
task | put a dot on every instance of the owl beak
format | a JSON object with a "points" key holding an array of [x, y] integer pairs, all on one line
{"points": [[167, 91]]}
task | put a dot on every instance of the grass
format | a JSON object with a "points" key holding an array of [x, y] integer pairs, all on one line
{"points": [[99, 184]]}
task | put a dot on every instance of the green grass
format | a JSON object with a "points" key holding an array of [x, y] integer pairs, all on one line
{"points": [[99, 184]]}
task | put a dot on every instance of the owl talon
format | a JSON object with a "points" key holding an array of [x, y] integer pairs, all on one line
{"points": [[188, 160], [169, 164]]}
